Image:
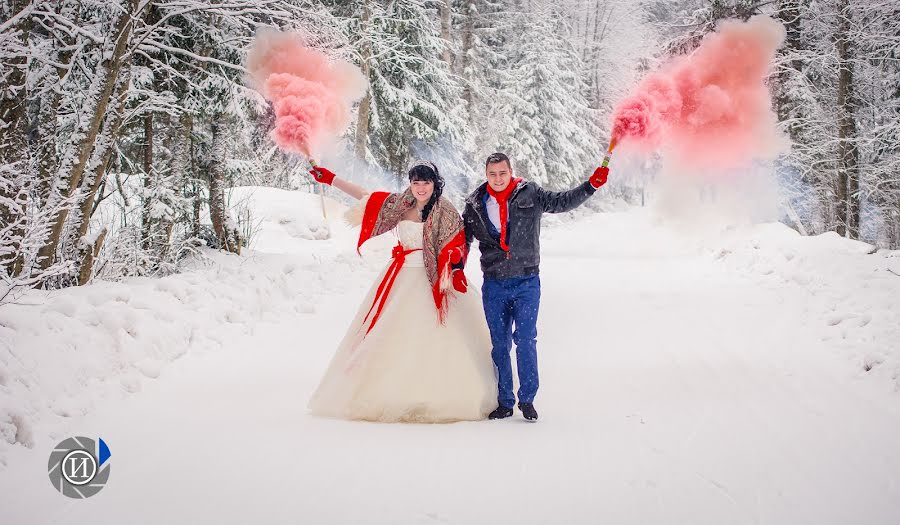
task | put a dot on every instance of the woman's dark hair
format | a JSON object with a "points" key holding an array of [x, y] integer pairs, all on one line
{"points": [[426, 171]]}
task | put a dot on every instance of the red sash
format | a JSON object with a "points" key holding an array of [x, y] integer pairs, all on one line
{"points": [[399, 256]]}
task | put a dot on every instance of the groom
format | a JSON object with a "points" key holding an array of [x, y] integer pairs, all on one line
{"points": [[504, 214]]}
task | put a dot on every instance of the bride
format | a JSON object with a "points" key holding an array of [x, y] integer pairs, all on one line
{"points": [[418, 349]]}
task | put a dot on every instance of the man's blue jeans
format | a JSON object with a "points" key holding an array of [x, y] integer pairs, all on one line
{"points": [[509, 302]]}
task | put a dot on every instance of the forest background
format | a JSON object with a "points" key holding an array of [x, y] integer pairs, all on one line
{"points": [[125, 122]]}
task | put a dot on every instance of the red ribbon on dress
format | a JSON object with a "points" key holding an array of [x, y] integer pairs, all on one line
{"points": [[399, 255]]}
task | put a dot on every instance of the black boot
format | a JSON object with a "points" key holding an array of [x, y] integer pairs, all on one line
{"points": [[500, 413], [528, 411]]}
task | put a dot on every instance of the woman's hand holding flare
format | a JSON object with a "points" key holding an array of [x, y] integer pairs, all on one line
{"points": [[322, 175]]}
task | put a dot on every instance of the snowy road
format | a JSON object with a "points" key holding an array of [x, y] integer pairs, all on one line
{"points": [[675, 389]]}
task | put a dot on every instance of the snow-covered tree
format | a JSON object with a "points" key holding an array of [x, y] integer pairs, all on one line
{"points": [[412, 92], [837, 96], [540, 116], [123, 121]]}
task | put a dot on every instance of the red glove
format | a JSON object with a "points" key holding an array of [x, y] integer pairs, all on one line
{"points": [[322, 175], [460, 284], [599, 177], [456, 255]]}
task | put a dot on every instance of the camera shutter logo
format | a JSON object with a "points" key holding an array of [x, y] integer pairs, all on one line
{"points": [[79, 466]]}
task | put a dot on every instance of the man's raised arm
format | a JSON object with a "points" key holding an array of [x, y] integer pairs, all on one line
{"points": [[563, 201]]}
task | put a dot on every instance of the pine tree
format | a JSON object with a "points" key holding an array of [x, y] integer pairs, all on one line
{"points": [[412, 92], [545, 124]]}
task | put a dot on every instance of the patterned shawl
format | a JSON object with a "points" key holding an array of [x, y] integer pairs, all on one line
{"points": [[443, 232]]}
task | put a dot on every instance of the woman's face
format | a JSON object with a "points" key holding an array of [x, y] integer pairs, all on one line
{"points": [[422, 190]]}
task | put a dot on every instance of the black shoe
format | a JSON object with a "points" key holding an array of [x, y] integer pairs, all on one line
{"points": [[500, 413], [528, 411]]}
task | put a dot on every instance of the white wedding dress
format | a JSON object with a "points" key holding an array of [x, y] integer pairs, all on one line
{"points": [[410, 368]]}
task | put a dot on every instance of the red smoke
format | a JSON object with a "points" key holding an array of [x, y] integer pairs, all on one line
{"points": [[311, 94], [709, 109]]}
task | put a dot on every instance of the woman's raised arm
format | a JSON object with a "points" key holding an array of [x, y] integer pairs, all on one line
{"points": [[325, 176]]}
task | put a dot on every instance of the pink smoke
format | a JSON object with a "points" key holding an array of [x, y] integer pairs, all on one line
{"points": [[310, 93], [709, 109]]}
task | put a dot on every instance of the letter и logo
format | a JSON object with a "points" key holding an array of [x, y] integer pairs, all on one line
{"points": [[79, 466]]}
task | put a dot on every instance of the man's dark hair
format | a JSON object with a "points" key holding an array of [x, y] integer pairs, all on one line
{"points": [[494, 158]]}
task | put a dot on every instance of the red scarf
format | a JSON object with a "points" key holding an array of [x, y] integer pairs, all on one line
{"points": [[502, 198]]}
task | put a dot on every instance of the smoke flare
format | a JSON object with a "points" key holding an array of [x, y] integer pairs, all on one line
{"points": [[310, 93], [709, 109]]}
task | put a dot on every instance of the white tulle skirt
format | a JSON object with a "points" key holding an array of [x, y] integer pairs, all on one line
{"points": [[410, 368]]}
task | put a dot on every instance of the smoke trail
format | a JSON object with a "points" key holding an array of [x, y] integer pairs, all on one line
{"points": [[310, 93], [709, 109]]}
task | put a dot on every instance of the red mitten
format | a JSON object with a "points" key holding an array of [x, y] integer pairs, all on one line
{"points": [[460, 284], [456, 255], [322, 175], [599, 177]]}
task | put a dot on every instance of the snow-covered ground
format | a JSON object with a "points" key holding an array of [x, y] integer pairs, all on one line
{"points": [[746, 376]]}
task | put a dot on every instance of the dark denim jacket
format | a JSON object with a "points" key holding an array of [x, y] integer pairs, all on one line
{"points": [[526, 205]]}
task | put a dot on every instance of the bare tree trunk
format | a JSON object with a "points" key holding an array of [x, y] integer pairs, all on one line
{"points": [[848, 152], [99, 166], [46, 156], [46, 159], [597, 37], [179, 170], [217, 181], [99, 94], [362, 122], [13, 131], [102, 156], [198, 203], [446, 12], [853, 191], [894, 221], [789, 15], [218, 209], [840, 203], [894, 225], [586, 42], [86, 270], [465, 59], [194, 174], [146, 205], [13, 89], [362, 127]]}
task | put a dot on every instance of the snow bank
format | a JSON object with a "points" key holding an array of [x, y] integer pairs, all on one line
{"points": [[279, 217], [853, 290], [61, 352]]}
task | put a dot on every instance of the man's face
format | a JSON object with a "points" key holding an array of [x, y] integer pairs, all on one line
{"points": [[498, 175]]}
